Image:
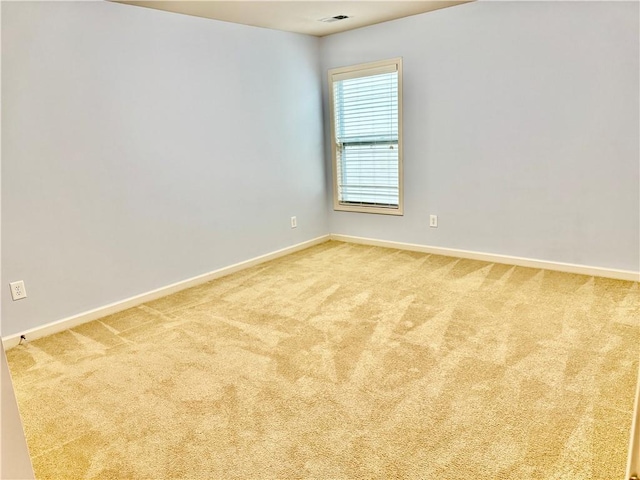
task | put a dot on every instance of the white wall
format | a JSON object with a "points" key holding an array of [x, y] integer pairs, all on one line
{"points": [[141, 148], [520, 129], [15, 462]]}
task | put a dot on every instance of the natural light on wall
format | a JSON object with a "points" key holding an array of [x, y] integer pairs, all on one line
{"points": [[366, 106]]}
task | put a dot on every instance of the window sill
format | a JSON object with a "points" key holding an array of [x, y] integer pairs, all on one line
{"points": [[338, 207]]}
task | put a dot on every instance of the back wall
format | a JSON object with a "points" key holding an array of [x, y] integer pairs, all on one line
{"points": [[520, 129]]}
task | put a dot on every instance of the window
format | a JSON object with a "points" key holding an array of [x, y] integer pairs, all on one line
{"points": [[366, 118]]}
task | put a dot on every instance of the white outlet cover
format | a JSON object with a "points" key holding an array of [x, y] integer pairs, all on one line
{"points": [[17, 290], [433, 221]]}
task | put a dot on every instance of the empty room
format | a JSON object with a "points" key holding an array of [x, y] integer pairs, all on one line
{"points": [[320, 240]]}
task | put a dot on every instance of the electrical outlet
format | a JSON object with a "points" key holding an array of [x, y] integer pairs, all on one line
{"points": [[294, 222], [17, 290], [433, 221]]}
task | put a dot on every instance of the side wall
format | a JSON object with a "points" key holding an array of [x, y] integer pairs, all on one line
{"points": [[141, 148], [520, 129], [14, 453]]}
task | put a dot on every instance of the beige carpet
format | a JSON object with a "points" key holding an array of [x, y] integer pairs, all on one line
{"points": [[344, 361]]}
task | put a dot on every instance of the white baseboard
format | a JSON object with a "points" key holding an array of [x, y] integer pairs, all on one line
{"points": [[75, 320], [495, 258]]}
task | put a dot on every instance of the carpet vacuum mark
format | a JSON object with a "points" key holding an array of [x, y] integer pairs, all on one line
{"points": [[344, 361]]}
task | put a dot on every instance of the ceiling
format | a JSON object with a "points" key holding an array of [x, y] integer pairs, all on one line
{"points": [[301, 16]]}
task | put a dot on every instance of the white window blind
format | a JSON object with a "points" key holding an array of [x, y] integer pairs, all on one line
{"points": [[366, 135]]}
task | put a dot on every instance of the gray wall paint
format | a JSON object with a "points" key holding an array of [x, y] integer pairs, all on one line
{"points": [[520, 129], [141, 148]]}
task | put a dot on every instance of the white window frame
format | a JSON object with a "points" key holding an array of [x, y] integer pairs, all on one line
{"points": [[355, 71]]}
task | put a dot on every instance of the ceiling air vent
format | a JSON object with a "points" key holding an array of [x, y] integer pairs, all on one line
{"points": [[334, 19]]}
